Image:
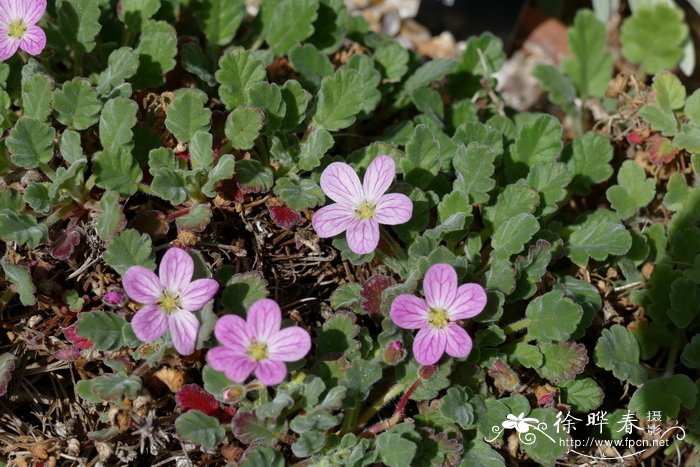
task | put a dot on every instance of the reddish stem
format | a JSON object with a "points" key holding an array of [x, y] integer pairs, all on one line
{"points": [[398, 413]]}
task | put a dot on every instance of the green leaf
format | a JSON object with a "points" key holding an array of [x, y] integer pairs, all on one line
{"points": [[309, 443], [661, 50], [618, 351], [394, 450], [524, 354], [237, 69], [157, 50], [585, 295], [194, 61], [666, 395], [220, 19], [201, 152], [513, 200], [483, 55], [37, 93], [79, 23], [76, 104], [252, 174], [116, 170], [111, 217], [583, 395], [562, 360], [121, 65], [169, 185], [590, 66], [474, 172], [242, 290], [669, 92], [691, 353], [550, 180], [114, 387], [116, 121], [296, 100], [186, 114], [531, 269], [659, 119], [598, 239], [590, 161], [455, 407], [392, 60], [546, 451], [477, 452], [135, 13], [199, 428], [421, 163], [371, 77], [313, 148], [30, 143], [21, 228], [633, 190], [71, 148], [22, 281], [685, 302], [339, 100], [560, 88], [330, 25], [433, 70], [299, 194], [512, 235], [223, 170], [688, 138], [243, 126], [311, 64], [264, 456], [692, 107], [268, 98], [553, 317], [196, 220], [102, 328], [300, 13], [538, 141], [130, 249], [36, 195]]}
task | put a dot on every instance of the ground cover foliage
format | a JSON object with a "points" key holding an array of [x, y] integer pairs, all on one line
{"points": [[150, 125]]}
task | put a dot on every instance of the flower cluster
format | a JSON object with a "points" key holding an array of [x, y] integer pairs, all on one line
{"points": [[257, 345]]}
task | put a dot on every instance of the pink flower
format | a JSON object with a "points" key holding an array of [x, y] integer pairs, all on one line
{"points": [[257, 345], [18, 27], [435, 316], [360, 208], [170, 300]]}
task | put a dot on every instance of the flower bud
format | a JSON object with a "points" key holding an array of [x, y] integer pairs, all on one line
{"points": [[234, 393], [427, 371], [115, 297], [394, 353]]}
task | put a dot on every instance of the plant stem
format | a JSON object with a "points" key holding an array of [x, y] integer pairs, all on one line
{"points": [[398, 413], [372, 410], [262, 152], [48, 171], [673, 355], [516, 326]]}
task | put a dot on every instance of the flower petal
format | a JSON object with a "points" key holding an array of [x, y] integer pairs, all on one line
{"points": [[236, 367], [142, 285], [8, 47], [197, 293], [176, 269], [270, 372], [341, 184], [469, 302], [363, 236], [10, 10], [440, 286], [393, 209], [331, 220], [33, 11], [34, 40], [409, 312], [149, 323], [289, 345], [232, 331], [378, 178], [458, 344], [429, 345], [264, 319], [184, 327]]}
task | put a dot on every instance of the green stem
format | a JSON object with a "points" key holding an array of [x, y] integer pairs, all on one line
{"points": [[673, 355], [372, 410], [48, 171], [262, 152], [146, 189], [516, 326], [58, 215]]}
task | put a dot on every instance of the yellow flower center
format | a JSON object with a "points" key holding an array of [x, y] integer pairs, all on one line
{"points": [[17, 29], [169, 303], [257, 351], [438, 318], [364, 211]]}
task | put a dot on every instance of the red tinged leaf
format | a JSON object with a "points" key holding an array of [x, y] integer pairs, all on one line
{"points": [[67, 240], [661, 150], [503, 376], [193, 397], [634, 137], [72, 336], [371, 293], [547, 400], [184, 156], [67, 354], [283, 216]]}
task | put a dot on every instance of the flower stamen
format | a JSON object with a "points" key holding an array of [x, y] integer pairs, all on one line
{"points": [[438, 318], [169, 303], [364, 211], [17, 29], [257, 351]]}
